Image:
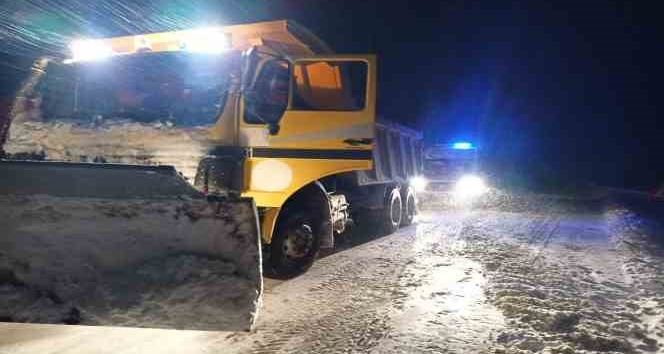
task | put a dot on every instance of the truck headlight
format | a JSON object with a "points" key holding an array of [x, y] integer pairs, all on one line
{"points": [[89, 49], [469, 186], [419, 183], [210, 40]]}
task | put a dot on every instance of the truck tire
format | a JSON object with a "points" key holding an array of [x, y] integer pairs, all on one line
{"points": [[392, 213], [295, 245], [409, 208]]}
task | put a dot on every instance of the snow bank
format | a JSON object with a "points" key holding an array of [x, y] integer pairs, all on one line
{"points": [[505, 201], [113, 141], [19, 303], [642, 250]]}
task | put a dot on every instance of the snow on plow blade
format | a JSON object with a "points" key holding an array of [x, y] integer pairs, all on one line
{"points": [[120, 245]]}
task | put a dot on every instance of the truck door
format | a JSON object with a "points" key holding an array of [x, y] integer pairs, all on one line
{"points": [[330, 108], [315, 118]]}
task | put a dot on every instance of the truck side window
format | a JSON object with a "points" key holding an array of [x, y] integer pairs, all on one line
{"points": [[268, 100], [329, 85]]}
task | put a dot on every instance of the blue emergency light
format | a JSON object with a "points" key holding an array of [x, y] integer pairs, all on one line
{"points": [[463, 145]]}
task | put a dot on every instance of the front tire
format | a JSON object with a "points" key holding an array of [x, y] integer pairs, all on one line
{"points": [[295, 245]]}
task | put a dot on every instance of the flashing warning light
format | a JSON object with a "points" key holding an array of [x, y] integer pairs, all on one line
{"points": [[463, 145]]}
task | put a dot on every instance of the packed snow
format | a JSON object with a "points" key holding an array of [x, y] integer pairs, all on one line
{"points": [[516, 274], [112, 141]]}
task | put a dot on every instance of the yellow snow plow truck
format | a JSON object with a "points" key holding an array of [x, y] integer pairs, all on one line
{"points": [[149, 180]]}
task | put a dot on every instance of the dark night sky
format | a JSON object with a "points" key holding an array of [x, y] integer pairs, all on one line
{"points": [[544, 86]]}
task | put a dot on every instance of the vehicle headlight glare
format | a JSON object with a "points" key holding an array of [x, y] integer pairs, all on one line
{"points": [[419, 183], [210, 40], [89, 49], [470, 186]]}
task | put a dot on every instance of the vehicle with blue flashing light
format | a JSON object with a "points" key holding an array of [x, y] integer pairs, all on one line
{"points": [[453, 167]]}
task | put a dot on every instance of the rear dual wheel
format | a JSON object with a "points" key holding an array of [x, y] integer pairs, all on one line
{"points": [[399, 210], [409, 208], [392, 212]]}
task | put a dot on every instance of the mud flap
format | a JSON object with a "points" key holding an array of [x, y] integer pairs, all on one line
{"points": [[117, 245]]}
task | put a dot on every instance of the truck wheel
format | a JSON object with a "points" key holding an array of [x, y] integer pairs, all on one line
{"points": [[410, 208], [392, 212], [294, 245]]}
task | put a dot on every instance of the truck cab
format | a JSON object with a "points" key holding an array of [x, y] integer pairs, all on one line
{"points": [[265, 111], [445, 164]]}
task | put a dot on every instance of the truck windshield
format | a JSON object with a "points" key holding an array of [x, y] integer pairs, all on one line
{"points": [[182, 88]]}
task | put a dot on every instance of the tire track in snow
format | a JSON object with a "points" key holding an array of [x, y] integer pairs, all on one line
{"points": [[342, 305], [559, 280], [445, 310], [387, 295], [643, 260]]}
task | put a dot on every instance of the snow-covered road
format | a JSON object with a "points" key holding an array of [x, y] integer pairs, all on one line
{"points": [[533, 275]]}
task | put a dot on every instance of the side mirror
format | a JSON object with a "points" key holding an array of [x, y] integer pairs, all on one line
{"points": [[265, 93]]}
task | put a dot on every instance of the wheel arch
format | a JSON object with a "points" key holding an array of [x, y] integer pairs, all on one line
{"points": [[312, 194]]}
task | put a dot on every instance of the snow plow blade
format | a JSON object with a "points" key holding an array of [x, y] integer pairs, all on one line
{"points": [[124, 245]]}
